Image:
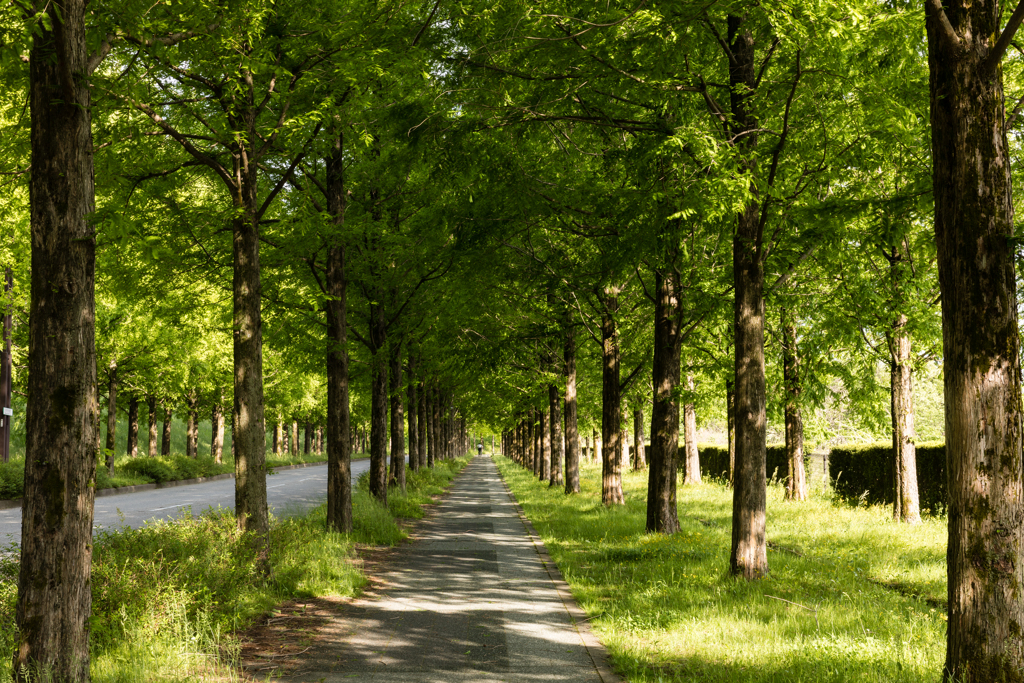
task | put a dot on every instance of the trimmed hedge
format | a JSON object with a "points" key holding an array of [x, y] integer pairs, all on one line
{"points": [[714, 462], [866, 472]]}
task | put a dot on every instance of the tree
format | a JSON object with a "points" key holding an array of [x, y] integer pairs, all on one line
{"points": [[981, 344]]}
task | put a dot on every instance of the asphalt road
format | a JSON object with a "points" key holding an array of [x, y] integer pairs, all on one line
{"points": [[288, 492]]}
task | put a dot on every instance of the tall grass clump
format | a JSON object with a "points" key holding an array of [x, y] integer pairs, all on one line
{"points": [[852, 596]]}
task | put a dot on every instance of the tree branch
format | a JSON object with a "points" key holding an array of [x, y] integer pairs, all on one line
{"points": [[1005, 38]]}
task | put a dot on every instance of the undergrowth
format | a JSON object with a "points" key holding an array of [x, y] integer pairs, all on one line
{"points": [[167, 596], [852, 596]]}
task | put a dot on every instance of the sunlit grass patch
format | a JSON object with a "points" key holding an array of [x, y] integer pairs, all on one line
{"points": [[668, 609]]}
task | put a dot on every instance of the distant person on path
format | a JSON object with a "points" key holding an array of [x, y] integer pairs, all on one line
{"points": [[480, 448]]}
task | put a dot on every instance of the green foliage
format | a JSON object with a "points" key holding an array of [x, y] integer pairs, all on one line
{"points": [[864, 473], [865, 597]]}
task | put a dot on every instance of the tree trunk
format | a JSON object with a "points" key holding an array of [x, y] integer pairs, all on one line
{"points": [[906, 506], [690, 438], [639, 453], [151, 405], [275, 446], [975, 234], [421, 438], [165, 436], [378, 473], [249, 434], [111, 416], [217, 432], [307, 438], [611, 402], [133, 428], [54, 593], [730, 407], [544, 437], [595, 448], [429, 400], [397, 474], [662, 516], [796, 480], [557, 441], [339, 418], [295, 439], [572, 436], [749, 554], [413, 401], [192, 433]]}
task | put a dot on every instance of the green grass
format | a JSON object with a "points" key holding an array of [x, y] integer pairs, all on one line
{"points": [[868, 592], [166, 597]]}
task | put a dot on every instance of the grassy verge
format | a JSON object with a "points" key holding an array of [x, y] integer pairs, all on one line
{"points": [[864, 594], [167, 596]]}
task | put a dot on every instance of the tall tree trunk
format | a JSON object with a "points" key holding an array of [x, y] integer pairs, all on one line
{"points": [[544, 435], [662, 516], [749, 554], [428, 400], [572, 436], [295, 438], [217, 431], [133, 427], [595, 448], [307, 437], [339, 418], [151, 405], [192, 433], [611, 402], [165, 436], [557, 440], [249, 432], [276, 443], [906, 505], [730, 407], [413, 401], [111, 415], [639, 453], [690, 438], [975, 234], [421, 424], [796, 481], [397, 475], [378, 474], [54, 593]]}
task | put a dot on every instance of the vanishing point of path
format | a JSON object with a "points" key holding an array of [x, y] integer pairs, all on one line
{"points": [[474, 599]]}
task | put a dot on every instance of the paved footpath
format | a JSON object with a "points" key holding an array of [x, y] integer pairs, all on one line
{"points": [[474, 599]]}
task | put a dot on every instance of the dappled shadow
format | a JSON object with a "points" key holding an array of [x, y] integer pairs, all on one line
{"points": [[468, 600]]}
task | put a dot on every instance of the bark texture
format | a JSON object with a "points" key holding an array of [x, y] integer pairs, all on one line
{"points": [[572, 435], [662, 516], [339, 427], [639, 453], [611, 402], [981, 364], [557, 441], [217, 432], [133, 428], [413, 405], [690, 438], [396, 476], [749, 554], [796, 480], [54, 593], [165, 436]]}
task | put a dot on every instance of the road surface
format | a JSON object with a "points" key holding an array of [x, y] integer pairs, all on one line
{"points": [[288, 492]]}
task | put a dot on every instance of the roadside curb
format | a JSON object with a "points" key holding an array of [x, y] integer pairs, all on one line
{"points": [[16, 502], [597, 651]]}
